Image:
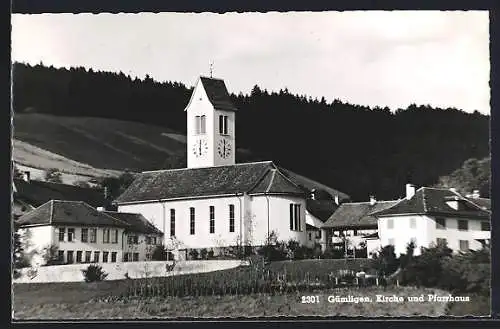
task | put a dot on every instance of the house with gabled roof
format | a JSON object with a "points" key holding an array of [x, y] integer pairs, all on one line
{"points": [[79, 233], [429, 216], [354, 224], [216, 203]]}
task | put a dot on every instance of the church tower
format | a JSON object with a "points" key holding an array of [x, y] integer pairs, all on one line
{"points": [[210, 125]]}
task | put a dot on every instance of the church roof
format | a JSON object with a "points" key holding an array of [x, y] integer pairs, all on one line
{"points": [[217, 94], [252, 178]]}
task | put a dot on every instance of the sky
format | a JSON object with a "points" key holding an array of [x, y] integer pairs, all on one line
{"points": [[373, 58]]}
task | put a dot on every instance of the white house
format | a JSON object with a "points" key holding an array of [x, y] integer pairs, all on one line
{"points": [[215, 203], [429, 216], [78, 233]]}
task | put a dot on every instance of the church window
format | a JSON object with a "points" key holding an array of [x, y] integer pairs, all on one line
{"points": [[172, 222], [212, 219], [295, 224], [223, 124], [231, 218], [191, 221], [200, 124]]}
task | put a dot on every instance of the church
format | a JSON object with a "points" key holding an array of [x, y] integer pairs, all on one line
{"points": [[216, 203]]}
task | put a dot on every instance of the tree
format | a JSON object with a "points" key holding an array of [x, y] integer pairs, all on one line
{"points": [[426, 269], [18, 257], [473, 175], [385, 261], [50, 256], [117, 185], [53, 175]]}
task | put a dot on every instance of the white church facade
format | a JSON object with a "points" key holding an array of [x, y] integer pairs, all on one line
{"points": [[216, 203]]}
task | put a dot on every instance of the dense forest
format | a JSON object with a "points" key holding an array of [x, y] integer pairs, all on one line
{"points": [[356, 149]]}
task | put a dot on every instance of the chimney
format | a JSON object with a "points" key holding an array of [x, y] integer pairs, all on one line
{"points": [[26, 176], [410, 191], [337, 200], [372, 200], [476, 194]]}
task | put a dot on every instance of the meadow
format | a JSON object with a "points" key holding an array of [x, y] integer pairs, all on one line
{"points": [[252, 291]]}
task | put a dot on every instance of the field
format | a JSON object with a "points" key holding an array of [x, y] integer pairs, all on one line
{"points": [[89, 145], [239, 292], [98, 142], [323, 266]]}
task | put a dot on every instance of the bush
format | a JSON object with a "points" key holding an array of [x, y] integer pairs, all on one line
{"points": [[438, 267], [426, 269], [210, 254], [50, 256], [333, 253], [385, 261], [94, 273], [203, 253], [193, 253], [467, 272], [303, 252], [53, 175]]}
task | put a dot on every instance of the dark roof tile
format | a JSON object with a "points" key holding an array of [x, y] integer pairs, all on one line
{"points": [[137, 222], [482, 202], [56, 212], [252, 178], [321, 209], [429, 200], [357, 215], [217, 94]]}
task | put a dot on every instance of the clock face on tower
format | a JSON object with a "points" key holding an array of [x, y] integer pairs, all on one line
{"points": [[200, 147], [224, 148]]}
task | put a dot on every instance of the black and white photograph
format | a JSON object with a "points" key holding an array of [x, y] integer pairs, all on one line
{"points": [[250, 165]]}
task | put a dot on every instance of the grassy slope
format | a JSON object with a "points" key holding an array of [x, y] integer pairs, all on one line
{"points": [[25, 154], [100, 143]]}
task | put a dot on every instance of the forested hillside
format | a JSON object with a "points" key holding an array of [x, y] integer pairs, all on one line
{"points": [[356, 149]]}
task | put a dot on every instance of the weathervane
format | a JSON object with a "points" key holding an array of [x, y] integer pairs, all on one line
{"points": [[211, 68]]}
